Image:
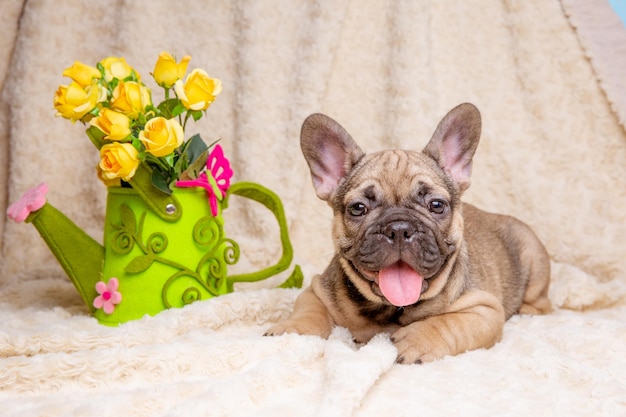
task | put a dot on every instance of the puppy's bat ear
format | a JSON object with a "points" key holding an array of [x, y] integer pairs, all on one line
{"points": [[454, 142], [330, 152]]}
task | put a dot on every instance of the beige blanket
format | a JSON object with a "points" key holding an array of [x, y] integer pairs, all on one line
{"points": [[549, 78]]}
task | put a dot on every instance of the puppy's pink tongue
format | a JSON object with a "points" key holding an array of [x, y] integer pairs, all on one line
{"points": [[400, 284]]}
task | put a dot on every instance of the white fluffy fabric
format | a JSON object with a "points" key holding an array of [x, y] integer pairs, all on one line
{"points": [[548, 77]]}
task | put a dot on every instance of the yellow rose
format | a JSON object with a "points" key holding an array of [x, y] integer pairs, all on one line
{"points": [[115, 67], [115, 125], [82, 74], [198, 91], [118, 160], [115, 182], [167, 71], [74, 102], [161, 136], [130, 98]]}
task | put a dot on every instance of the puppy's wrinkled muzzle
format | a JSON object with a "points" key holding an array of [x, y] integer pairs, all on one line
{"points": [[399, 254]]}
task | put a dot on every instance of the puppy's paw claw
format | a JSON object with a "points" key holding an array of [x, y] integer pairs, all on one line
{"points": [[277, 330]]}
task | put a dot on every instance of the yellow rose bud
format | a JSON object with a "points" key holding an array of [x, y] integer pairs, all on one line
{"points": [[115, 125], [82, 74], [115, 67], [167, 71], [74, 102], [198, 91], [118, 160], [161, 136], [130, 98]]}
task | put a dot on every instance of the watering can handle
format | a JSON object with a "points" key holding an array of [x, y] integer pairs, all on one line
{"points": [[270, 200]]}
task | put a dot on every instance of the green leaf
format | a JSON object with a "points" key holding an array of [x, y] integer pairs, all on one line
{"points": [[114, 82], [214, 143], [194, 169], [139, 146], [132, 77], [180, 165], [128, 219], [196, 114], [171, 108], [151, 111], [178, 110], [139, 264], [172, 183], [167, 107], [141, 119], [97, 136], [195, 153], [161, 181], [195, 148]]}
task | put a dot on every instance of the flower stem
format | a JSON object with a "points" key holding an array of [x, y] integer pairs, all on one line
{"points": [[161, 162], [187, 115]]}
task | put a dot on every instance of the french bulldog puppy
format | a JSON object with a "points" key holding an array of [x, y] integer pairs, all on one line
{"points": [[440, 276]]}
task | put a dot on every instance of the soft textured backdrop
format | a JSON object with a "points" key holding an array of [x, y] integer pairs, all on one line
{"points": [[549, 77]]}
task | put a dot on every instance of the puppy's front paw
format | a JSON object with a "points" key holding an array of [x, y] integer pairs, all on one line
{"points": [[299, 327], [419, 343]]}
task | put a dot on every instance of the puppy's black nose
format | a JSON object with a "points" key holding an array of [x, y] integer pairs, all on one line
{"points": [[399, 231]]}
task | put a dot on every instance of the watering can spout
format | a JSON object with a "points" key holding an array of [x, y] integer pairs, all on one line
{"points": [[146, 271], [80, 255]]}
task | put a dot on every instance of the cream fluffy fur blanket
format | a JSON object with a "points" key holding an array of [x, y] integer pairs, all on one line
{"points": [[549, 78]]}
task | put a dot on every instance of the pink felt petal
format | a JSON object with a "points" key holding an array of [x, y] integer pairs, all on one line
{"points": [[98, 302], [31, 200], [116, 297], [108, 307], [219, 166], [101, 287], [113, 285]]}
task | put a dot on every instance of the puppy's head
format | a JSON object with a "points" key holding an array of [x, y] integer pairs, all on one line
{"points": [[397, 216]]}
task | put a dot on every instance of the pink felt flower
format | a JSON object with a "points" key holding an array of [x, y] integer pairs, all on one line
{"points": [[32, 200], [109, 295]]}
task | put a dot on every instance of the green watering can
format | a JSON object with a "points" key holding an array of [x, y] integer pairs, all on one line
{"points": [[159, 251]]}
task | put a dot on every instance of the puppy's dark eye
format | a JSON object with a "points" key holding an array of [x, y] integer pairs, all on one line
{"points": [[357, 209], [437, 206]]}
